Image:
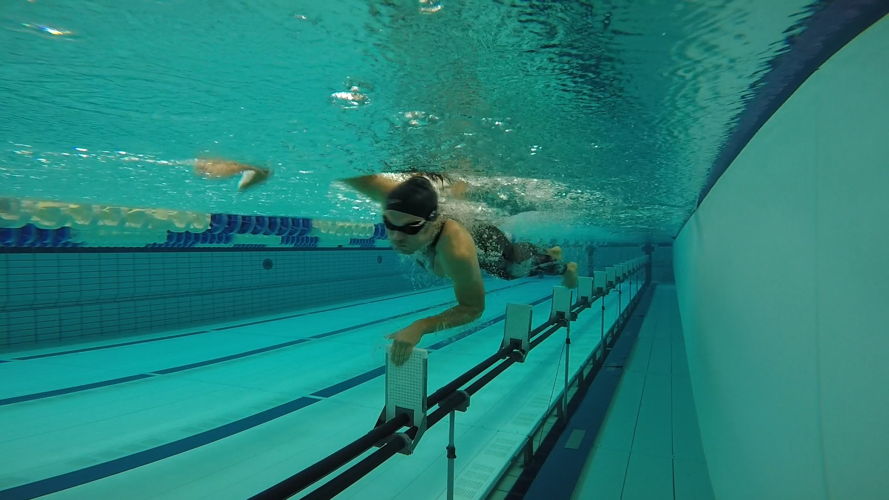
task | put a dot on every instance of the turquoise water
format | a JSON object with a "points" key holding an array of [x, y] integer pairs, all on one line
{"points": [[603, 117]]}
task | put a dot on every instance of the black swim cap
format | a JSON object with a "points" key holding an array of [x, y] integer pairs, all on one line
{"points": [[415, 196]]}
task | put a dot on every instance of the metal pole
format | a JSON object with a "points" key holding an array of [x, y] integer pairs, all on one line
{"points": [[567, 359], [452, 456], [633, 283], [620, 311], [602, 334]]}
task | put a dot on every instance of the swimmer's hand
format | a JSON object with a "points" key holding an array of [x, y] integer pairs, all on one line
{"points": [[250, 175], [403, 342]]}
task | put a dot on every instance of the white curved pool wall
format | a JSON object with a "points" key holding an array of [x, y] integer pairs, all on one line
{"points": [[783, 284]]}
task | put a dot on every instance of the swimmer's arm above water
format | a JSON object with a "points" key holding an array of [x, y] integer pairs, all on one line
{"points": [[378, 186]]}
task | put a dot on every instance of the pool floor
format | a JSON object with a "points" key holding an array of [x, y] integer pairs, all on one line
{"points": [[227, 410]]}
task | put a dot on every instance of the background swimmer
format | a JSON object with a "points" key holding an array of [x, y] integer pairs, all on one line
{"points": [[250, 175]]}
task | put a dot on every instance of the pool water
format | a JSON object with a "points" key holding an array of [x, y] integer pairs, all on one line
{"points": [[603, 116], [166, 335]]}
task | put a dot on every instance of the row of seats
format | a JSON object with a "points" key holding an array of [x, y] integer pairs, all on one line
{"points": [[278, 226], [294, 231], [188, 239], [26, 222], [31, 236], [300, 241], [362, 242], [259, 224]]}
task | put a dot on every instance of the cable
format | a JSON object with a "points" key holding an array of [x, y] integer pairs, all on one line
{"points": [[556, 378]]}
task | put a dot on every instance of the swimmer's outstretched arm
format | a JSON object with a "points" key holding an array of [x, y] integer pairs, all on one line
{"points": [[377, 187]]}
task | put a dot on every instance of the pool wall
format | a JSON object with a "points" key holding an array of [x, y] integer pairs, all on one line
{"points": [[661, 259], [60, 295], [783, 290], [74, 293]]}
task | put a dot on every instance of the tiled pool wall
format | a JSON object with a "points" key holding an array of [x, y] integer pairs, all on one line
{"points": [[78, 272], [59, 295], [51, 295]]}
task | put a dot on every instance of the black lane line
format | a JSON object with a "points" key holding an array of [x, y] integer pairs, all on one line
{"points": [[102, 470], [69, 390]]}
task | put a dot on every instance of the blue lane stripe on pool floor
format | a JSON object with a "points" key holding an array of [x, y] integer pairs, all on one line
{"points": [[128, 462], [69, 390], [97, 348]]}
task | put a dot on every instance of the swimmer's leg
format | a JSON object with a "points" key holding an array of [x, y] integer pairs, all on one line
{"points": [[495, 252], [549, 262], [507, 260]]}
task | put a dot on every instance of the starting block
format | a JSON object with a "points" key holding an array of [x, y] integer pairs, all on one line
{"points": [[561, 303], [585, 289], [599, 282], [517, 328]]}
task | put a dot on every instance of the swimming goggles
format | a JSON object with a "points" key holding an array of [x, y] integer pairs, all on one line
{"points": [[412, 228]]}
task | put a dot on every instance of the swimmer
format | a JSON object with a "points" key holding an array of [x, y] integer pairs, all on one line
{"points": [[446, 248], [250, 175]]}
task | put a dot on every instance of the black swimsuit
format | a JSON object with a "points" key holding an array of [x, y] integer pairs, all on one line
{"points": [[496, 253], [493, 248]]}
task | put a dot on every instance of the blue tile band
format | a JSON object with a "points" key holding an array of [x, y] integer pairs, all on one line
{"points": [[69, 390], [230, 357], [98, 348]]}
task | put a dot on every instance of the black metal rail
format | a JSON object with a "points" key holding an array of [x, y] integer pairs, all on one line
{"points": [[385, 433]]}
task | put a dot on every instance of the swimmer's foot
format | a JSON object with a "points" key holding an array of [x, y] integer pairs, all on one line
{"points": [[250, 175], [555, 253], [569, 278]]}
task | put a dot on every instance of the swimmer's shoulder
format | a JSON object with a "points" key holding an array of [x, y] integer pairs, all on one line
{"points": [[456, 239]]}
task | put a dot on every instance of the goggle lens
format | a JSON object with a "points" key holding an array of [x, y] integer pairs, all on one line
{"points": [[412, 228]]}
